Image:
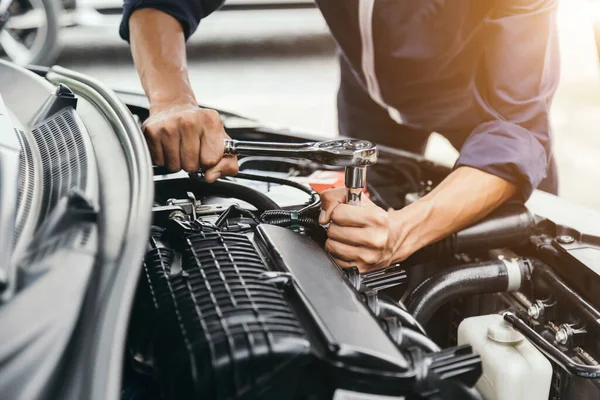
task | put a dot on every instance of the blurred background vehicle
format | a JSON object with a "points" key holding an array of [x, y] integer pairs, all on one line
{"points": [[29, 31], [31, 27], [275, 61]]}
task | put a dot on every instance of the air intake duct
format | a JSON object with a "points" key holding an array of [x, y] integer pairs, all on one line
{"points": [[511, 225]]}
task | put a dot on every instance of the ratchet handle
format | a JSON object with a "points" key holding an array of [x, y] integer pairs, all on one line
{"points": [[274, 149]]}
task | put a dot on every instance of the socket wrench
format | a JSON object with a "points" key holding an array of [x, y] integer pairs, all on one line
{"points": [[352, 154]]}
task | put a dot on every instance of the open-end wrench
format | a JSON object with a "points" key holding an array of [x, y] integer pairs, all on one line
{"points": [[352, 154]]}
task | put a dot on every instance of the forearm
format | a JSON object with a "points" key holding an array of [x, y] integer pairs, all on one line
{"points": [[160, 57], [464, 197]]}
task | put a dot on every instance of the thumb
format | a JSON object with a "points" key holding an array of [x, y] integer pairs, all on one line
{"points": [[330, 199]]}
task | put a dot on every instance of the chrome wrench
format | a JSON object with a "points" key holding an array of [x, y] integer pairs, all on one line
{"points": [[352, 154]]}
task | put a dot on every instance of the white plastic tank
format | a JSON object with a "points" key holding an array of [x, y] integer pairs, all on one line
{"points": [[513, 368]]}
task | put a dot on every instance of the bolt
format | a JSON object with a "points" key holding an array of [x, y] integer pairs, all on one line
{"points": [[534, 311], [565, 239], [561, 336], [178, 216]]}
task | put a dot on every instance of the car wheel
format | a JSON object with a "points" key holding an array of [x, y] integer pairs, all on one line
{"points": [[30, 34]]}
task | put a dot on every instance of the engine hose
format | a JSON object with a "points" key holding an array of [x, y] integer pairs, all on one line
{"points": [[511, 225], [405, 318], [314, 202], [226, 188], [479, 278]]}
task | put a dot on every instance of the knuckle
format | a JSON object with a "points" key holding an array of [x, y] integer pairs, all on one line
{"points": [[329, 245], [190, 165], [151, 132], [187, 123], [212, 118], [362, 268], [333, 230], [209, 159], [380, 218], [170, 131], [336, 214], [368, 258], [380, 240]]}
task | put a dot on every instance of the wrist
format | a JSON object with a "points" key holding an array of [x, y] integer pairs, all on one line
{"points": [[412, 227], [163, 99]]}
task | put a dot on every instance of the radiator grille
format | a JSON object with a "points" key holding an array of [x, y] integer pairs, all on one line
{"points": [[64, 158], [26, 178]]}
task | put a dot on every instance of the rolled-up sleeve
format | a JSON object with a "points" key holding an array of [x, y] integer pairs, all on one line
{"points": [[187, 12], [516, 82]]}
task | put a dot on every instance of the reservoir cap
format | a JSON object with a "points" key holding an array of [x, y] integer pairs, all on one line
{"points": [[502, 332]]}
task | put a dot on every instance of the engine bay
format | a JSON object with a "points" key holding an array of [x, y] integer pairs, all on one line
{"points": [[239, 299]]}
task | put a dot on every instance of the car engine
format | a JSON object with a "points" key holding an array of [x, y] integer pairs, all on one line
{"points": [[239, 299]]}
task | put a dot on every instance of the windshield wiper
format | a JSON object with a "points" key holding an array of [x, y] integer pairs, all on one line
{"points": [[10, 150]]}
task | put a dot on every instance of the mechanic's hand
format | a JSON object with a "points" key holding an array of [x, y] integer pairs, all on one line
{"points": [[358, 236], [185, 136]]}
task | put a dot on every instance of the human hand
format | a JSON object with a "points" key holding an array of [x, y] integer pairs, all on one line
{"points": [[185, 136], [363, 236]]}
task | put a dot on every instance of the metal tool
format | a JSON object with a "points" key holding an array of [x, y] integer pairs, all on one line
{"points": [[353, 154]]}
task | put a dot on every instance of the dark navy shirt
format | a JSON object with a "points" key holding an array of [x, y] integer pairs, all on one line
{"points": [[485, 67]]}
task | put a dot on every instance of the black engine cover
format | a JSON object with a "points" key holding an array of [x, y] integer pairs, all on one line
{"points": [[225, 315]]}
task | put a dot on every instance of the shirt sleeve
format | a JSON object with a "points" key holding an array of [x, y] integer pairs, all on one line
{"points": [[516, 82], [187, 12]]}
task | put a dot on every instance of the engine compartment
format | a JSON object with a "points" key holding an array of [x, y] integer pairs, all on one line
{"points": [[239, 299]]}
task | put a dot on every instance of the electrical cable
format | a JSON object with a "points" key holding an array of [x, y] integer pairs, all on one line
{"points": [[224, 187], [413, 338], [403, 316], [314, 202]]}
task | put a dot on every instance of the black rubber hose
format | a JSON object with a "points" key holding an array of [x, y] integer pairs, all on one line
{"points": [[225, 188], [479, 278], [405, 318], [511, 225], [315, 199]]}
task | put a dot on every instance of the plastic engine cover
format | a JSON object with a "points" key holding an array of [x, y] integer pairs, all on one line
{"points": [[219, 330]]}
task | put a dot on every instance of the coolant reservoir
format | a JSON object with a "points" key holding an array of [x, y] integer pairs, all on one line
{"points": [[513, 369]]}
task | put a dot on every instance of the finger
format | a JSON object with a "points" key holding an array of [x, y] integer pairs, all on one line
{"points": [[228, 166], [337, 250], [366, 237], [343, 264], [154, 146], [350, 216], [362, 268], [212, 142], [353, 254], [347, 215], [190, 145], [171, 139], [329, 200]]}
